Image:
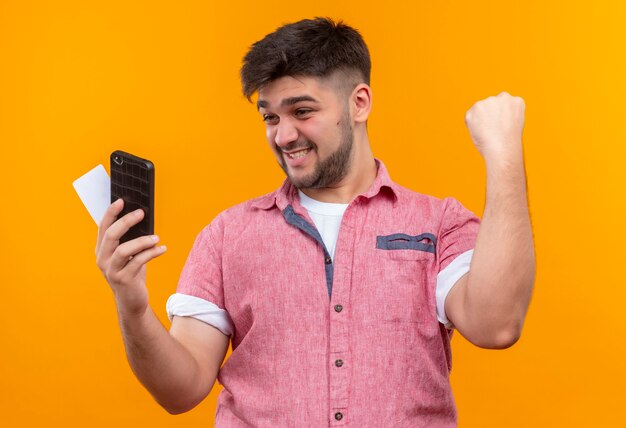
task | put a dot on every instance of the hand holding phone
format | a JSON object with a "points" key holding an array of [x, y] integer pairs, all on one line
{"points": [[123, 263]]}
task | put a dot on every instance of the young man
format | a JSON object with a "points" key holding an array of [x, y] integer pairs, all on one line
{"points": [[340, 290]]}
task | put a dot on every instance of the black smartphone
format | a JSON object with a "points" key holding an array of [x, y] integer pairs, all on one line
{"points": [[132, 179]]}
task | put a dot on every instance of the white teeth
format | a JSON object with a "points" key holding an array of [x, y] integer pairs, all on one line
{"points": [[298, 155]]}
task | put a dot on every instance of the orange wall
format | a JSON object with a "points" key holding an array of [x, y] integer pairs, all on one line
{"points": [[160, 79]]}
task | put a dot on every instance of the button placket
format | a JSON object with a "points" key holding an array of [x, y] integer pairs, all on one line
{"points": [[340, 322]]}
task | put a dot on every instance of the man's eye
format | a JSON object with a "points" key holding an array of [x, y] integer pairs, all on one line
{"points": [[269, 118], [303, 111]]}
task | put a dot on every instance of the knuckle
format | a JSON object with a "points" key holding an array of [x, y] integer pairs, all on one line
{"points": [[112, 276], [112, 279], [122, 252], [108, 234]]}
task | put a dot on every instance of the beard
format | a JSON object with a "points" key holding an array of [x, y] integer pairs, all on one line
{"points": [[327, 172]]}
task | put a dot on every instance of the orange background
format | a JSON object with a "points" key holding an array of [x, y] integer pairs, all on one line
{"points": [[160, 79]]}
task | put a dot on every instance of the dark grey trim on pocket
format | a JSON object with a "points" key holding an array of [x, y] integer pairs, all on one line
{"points": [[402, 241]]}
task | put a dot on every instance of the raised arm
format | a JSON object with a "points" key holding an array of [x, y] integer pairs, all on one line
{"points": [[488, 305], [178, 367]]}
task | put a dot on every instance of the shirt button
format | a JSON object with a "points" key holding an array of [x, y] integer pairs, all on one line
{"points": [[328, 260], [338, 308], [339, 363], [339, 416]]}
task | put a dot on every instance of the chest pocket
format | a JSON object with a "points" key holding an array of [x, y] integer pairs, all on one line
{"points": [[404, 290], [408, 247]]}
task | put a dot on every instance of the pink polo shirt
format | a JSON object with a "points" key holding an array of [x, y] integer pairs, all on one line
{"points": [[317, 342]]}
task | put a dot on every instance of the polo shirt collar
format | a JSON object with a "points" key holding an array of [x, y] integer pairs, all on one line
{"points": [[288, 193]]}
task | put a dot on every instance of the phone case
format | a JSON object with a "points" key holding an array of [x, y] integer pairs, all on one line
{"points": [[132, 179]]}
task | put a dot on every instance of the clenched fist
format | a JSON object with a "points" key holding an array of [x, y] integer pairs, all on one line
{"points": [[495, 125]]}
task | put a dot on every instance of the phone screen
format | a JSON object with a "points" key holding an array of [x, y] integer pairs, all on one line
{"points": [[132, 179]]}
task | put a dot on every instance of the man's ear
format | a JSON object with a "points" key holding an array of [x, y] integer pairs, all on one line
{"points": [[361, 102]]}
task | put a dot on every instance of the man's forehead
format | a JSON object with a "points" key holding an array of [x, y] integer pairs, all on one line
{"points": [[288, 90]]}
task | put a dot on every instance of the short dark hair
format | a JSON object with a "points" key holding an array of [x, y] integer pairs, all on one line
{"points": [[311, 47]]}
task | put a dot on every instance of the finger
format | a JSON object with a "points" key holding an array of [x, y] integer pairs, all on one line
{"points": [[129, 250], [113, 234], [107, 220], [133, 267]]}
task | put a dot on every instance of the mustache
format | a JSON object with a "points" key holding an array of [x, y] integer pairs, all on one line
{"points": [[297, 145]]}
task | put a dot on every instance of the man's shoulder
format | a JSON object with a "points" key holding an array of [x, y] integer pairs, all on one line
{"points": [[251, 207], [239, 216], [413, 198], [429, 211], [413, 203]]}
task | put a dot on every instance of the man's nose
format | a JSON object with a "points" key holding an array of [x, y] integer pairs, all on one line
{"points": [[285, 133]]}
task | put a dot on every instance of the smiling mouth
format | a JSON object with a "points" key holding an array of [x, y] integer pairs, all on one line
{"points": [[298, 154]]}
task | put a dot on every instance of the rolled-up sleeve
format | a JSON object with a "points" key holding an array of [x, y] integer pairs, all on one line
{"points": [[457, 238], [200, 292]]}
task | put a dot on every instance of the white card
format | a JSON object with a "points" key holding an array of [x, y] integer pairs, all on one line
{"points": [[94, 189]]}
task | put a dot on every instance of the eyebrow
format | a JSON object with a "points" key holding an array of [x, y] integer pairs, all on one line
{"points": [[287, 101]]}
